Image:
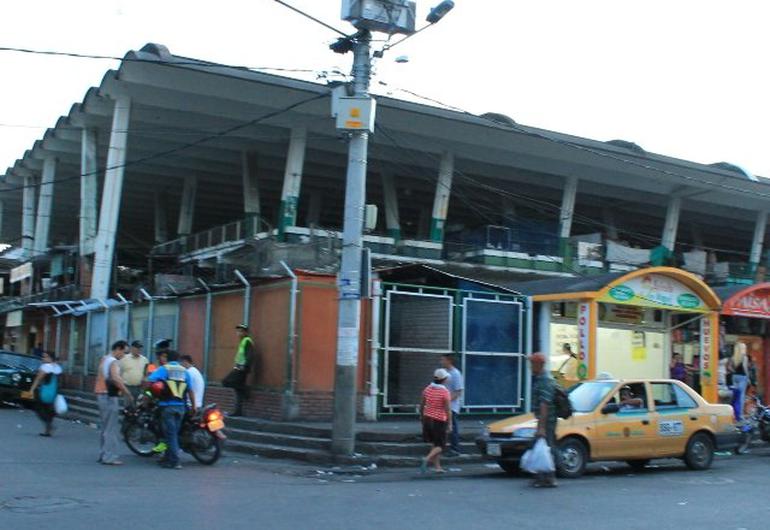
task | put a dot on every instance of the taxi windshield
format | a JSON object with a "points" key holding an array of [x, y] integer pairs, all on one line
{"points": [[584, 397]]}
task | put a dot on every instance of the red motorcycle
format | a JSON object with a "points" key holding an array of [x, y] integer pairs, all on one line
{"points": [[201, 434]]}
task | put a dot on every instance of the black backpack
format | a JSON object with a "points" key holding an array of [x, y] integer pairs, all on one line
{"points": [[561, 402]]}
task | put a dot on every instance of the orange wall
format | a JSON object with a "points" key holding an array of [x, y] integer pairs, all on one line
{"points": [[317, 330], [192, 320], [269, 329], [226, 313]]}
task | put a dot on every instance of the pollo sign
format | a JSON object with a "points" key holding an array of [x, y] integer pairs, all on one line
{"points": [[755, 303]]}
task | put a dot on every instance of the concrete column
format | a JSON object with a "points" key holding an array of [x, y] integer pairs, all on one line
{"points": [[161, 217], [441, 201], [88, 190], [187, 207], [697, 236], [567, 207], [111, 196], [672, 223], [509, 211], [314, 209], [759, 239], [28, 215], [390, 194], [44, 207], [611, 229], [251, 204], [292, 179]]}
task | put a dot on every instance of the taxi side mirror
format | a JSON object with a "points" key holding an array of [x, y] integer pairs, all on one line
{"points": [[610, 408]]}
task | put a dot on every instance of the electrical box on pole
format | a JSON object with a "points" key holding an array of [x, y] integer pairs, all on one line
{"points": [[354, 113], [387, 16]]}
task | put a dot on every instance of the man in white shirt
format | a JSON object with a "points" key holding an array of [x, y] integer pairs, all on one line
{"points": [[454, 384], [196, 380]]}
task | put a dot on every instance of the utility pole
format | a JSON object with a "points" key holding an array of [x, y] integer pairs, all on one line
{"points": [[355, 113], [349, 317]]}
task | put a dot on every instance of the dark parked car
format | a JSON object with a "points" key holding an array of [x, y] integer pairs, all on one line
{"points": [[17, 371]]}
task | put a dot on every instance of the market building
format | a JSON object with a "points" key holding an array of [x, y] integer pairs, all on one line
{"points": [[178, 190]]}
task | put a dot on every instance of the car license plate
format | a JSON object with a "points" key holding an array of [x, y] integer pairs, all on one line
{"points": [[494, 450], [216, 425]]}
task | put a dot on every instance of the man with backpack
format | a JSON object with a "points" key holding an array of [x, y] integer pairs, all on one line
{"points": [[544, 407]]}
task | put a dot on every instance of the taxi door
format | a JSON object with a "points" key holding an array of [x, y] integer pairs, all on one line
{"points": [[627, 434], [677, 417]]}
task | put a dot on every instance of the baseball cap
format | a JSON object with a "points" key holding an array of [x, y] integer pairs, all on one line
{"points": [[440, 374], [242, 326], [137, 344]]}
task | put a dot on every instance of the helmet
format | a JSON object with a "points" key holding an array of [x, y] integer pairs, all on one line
{"points": [[157, 388]]}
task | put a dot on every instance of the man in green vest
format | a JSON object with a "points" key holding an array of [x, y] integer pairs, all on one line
{"points": [[244, 360]]}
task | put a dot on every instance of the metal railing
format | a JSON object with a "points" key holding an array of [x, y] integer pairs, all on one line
{"points": [[55, 294], [213, 237]]}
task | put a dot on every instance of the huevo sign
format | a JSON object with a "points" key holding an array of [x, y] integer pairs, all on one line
{"points": [[655, 290], [755, 303]]}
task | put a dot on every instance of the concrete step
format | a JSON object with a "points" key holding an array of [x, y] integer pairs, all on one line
{"points": [[404, 449], [293, 429], [275, 439], [315, 456], [320, 457]]}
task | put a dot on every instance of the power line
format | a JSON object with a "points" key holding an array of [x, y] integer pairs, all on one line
{"points": [[151, 61], [311, 17], [183, 147], [578, 218]]}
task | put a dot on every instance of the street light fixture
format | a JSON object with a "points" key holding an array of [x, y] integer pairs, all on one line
{"points": [[440, 11]]}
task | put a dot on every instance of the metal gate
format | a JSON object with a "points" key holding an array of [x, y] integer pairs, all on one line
{"points": [[487, 332]]}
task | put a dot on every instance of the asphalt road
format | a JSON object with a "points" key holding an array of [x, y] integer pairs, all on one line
{"points": [[56, 483]]}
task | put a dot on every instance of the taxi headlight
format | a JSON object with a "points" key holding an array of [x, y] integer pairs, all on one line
{"points": [[16, 378], [527, 432]]}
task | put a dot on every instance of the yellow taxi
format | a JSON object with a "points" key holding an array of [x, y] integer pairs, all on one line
{"points": [[627, 420]]}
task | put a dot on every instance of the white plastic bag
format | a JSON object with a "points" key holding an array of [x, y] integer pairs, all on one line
{"points": [[60, 405], [538, 459]]}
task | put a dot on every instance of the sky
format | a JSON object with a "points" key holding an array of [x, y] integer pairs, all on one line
{"points": [[684, 78]]}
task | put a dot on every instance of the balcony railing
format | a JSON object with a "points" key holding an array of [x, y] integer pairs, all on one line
{"points": [[231, 233]]}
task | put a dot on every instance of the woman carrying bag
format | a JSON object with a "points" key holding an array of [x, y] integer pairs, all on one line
{"points": [[45, 389]]}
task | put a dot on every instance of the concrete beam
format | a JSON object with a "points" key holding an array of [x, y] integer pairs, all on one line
{"points": [[441, 200], [187, 206], [292, 180], [251, 203], [111, 197], [89, 183], [44, 206]]}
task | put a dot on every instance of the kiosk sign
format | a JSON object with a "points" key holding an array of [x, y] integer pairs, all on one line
{"points": [[584, 338], [655, 290]]}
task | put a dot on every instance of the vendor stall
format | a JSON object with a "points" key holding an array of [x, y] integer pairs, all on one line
{"points": [[624, 324]]}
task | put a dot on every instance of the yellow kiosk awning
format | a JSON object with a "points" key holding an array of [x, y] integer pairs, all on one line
{"points": [[666, 288]]}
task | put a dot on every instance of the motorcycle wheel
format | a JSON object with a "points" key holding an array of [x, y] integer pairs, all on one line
{"points": [[205, 447], [140, 439]]}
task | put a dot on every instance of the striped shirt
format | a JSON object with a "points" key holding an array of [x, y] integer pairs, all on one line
{"points": [[436, 398]]}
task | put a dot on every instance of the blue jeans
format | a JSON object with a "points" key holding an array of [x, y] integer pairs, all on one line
{"points": [[171, 418], [454, 438]]}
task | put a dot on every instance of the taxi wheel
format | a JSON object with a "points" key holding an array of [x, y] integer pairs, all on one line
{"points": [[573, 455], [700, 452]]}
